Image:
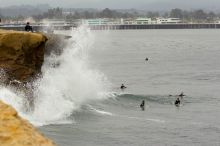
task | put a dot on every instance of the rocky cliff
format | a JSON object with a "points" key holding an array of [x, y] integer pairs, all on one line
{"points": [[15, 131], [21, 54]]}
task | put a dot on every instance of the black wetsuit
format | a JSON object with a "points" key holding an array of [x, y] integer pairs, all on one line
{"points": [[123, 87], [177, 102], [181, 95], [142, 105]]}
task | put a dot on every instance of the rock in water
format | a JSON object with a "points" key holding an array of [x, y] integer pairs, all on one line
{"points": [[21, 54], [15, 131], [55, 44]]}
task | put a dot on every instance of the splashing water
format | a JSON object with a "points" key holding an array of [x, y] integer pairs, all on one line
{"points": [[67, 82]]}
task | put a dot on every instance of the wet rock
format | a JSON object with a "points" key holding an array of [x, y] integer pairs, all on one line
{"points": [[55, 44]]}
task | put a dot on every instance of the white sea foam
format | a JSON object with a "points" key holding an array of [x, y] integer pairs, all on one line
{"points": [[143, 119], [8, 96], [100, 111], [64, 88]]}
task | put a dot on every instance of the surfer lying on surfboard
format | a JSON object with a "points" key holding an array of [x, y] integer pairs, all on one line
{"points": [[123, 86]]}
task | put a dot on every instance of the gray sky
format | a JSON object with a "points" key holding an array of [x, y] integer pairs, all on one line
{"points": [[124, 4]]}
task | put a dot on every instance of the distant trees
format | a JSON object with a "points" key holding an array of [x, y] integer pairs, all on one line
{"points": [[105, 13], [193, 16], [176, 13], [153, 14], [199, 15], [71, 14], [54, 13]]}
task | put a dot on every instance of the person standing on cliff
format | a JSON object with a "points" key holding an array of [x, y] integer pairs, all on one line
{"points": [[28, 27]]}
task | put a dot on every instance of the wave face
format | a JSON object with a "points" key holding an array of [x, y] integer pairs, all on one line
{"points": [[67, 82]]}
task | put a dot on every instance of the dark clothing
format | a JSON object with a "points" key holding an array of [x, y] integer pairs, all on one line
{"points": [[28, 28], [181, 95], [177, 102], [142, 105], [122, 86]]}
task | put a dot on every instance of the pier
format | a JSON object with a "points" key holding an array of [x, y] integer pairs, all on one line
{"points": [[119, 27], [156, 26]]}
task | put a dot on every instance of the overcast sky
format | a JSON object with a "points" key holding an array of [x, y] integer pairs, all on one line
{"points": [[124, 4]]}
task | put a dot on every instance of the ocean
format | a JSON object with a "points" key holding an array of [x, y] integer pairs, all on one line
{"points": [[79, 102]]}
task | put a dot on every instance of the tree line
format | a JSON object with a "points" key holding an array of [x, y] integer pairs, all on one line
{"points": [[59, 13], [187, 16]]}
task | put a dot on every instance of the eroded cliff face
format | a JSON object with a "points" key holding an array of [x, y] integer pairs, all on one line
{"points": [[21, 54], [15, 131], [21, 59]]}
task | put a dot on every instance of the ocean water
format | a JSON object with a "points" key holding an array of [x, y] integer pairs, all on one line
{"points": [[79, 102]]}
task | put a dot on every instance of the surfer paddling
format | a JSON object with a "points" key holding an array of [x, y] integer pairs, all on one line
{"points": [[181, 95], [123, 86]]}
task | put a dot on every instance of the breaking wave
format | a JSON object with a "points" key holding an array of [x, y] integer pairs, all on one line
{"points": [[67, 82]]}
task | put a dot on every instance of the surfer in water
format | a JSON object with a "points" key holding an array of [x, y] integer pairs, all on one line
{"points": [[123, 86], [146, 59], [177, 102], [142, 105], [181, 95]]}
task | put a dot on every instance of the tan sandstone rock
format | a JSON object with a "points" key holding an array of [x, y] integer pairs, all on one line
{"points": [[21, 54], [15, 131]]}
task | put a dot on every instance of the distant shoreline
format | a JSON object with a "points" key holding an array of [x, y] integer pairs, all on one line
{"points": [[122, 27]]}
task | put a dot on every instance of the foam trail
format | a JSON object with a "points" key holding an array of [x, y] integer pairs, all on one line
{"points": [[64, 87], [103, 112], [144, 119], [100, 111]]}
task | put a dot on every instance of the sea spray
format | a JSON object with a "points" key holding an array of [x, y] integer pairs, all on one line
{"points": [[66, 83]]}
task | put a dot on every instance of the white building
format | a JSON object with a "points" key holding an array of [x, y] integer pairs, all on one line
{"points": [[98, 21], [54, 22], [143, 21], [128, 21], [138, 21], [168, 20], [115, 21]]}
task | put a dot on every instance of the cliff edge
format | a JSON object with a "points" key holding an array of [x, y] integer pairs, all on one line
{"points": [[15, 131], [21, 54]]}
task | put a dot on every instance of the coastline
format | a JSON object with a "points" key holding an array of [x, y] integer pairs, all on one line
{"points": [[22, 55], [37, 27]]}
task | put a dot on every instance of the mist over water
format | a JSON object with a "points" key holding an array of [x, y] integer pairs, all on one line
{"points": [[67, 82]]}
